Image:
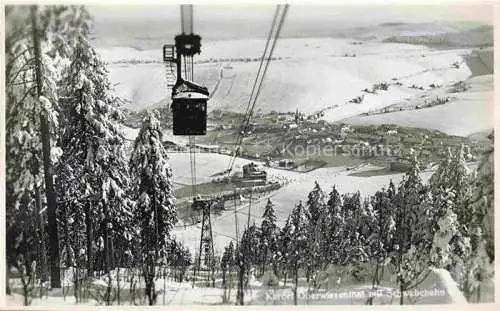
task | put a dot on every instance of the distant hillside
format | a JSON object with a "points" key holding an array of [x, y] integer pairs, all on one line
{"points": [[480, 61], [386, 31], [484, 137], [476, 37]]}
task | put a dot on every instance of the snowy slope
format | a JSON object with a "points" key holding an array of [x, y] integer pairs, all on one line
{"points": [[310, 73], [470, 112]]}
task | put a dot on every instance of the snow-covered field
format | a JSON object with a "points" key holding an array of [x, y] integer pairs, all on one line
{"points": [[470, 112], [310, 74], [437, 288]]}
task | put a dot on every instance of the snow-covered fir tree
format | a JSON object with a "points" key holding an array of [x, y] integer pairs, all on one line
{"points": [[268, 237], [283, 241], [32, 95], [444, 226], [297, 248], [384, 226], [316, 222], [482, 198], [458, 245], [155, 209], [333, 226], [315, 204], [472, 250], [227, 264], [246, 257], [179, 259], [334, 202], [482, 203], [354, 233], [413, 238], [380, 217], [227, 260], [91, 173]]}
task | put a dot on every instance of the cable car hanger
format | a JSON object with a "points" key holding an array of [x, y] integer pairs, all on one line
{"points": [[189, 100]]}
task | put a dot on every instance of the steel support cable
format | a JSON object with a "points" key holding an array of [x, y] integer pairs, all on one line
{"points": [[255, 89], [239, 134], [190, 17], [275, 40], [190, 143], [192, 68], [193, 138], [187, 18], [269, 36], [187, 27], [182, 18], [258, 88], [250, 112], [194, 163]]}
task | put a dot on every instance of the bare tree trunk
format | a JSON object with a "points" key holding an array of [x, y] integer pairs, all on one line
{"points": [[26, 275], [107, 259], [382, 272], [164, 284], [230, 283], [375, 281], [150, 290], [90, 238], [55, 274], [132, 287], [7, 279], [402, 295], [296, 284], [478, 293], [224, 284], [43, 248], [264, 261], [26, 292], [240, 294], [308, 292], [75, 286], [66, 239], [108, 289], [118, 285]]}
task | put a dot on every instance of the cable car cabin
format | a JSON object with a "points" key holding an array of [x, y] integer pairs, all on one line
{"points": [[189, 108]]}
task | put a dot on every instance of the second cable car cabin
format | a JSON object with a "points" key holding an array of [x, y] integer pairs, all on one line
{"points": [[189, 108]]}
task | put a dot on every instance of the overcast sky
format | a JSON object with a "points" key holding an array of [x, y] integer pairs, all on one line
{"points": [[361, 15], [144, 26]]}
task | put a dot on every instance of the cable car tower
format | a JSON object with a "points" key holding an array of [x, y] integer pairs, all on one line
{"points": [[206, 257], [189, 118]]}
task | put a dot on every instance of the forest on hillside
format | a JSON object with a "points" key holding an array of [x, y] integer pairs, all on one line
{"points": [[476, 38]]}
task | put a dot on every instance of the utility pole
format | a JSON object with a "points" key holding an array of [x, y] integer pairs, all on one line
{"points": [[55, 273]]}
